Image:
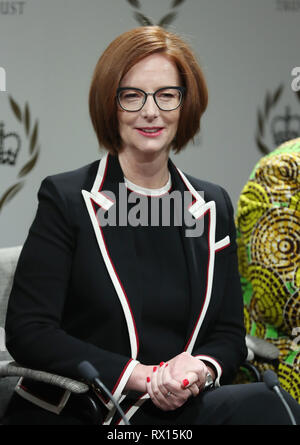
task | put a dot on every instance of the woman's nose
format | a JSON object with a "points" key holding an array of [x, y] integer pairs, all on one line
{"points": [[150, 109]]}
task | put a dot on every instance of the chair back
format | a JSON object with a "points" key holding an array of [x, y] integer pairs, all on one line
{"points": [[8, 261]]}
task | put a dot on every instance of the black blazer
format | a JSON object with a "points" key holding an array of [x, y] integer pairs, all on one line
{"points": [[76, 295]]}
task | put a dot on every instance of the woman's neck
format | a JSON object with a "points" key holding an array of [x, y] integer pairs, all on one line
{"points": [[145, 171]]}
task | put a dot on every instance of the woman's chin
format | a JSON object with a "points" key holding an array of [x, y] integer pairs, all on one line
{"points": [[151, 149]]}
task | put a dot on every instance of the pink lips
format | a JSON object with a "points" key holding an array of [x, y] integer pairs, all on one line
{"points": [[150, 132]]}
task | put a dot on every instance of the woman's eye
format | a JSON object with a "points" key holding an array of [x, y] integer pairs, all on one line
{"points": [[166, 96], [130, 95]]}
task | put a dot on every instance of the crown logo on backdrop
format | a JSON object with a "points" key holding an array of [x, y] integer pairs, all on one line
{"points": [[10, 145], [285, 128], [281, 128]]}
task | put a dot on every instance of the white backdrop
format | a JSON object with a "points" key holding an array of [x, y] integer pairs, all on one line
{"points": [[49, 48]]}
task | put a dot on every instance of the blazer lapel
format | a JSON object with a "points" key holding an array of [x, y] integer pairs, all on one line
{"points": [[199, 245], [115, 241], [201, 262]]}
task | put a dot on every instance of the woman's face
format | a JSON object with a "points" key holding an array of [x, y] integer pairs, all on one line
{"points": [[150, 130]]}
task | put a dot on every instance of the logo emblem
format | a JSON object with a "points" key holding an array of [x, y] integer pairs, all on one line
{"points": [[274, 128], [164, 22], [11, 147], [8, 152], [286, 127]]}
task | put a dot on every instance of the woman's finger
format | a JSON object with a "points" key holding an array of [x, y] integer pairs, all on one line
{"points": [[194, 389], [190, 379], [168, 384], [154, 392], [171, 388], [165, 392], [160, 379]]}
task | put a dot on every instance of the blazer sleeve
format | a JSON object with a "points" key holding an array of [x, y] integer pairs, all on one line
{"points": [[34, 335], [224, 346]]}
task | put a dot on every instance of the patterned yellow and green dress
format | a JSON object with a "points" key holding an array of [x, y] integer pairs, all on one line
{"points": [[268, 225]]}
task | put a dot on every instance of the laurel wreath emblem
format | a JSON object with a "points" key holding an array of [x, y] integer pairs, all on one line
{"points": [[263, 116], [165, 21], [31, 132]]}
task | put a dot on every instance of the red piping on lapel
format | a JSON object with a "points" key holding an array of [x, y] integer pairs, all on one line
{"points": [[118, 278], [183, 180], [207, 270], [223, 247]]}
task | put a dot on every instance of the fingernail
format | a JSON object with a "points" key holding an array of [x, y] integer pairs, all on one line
{"points": [[185, 382], [167, 364], [148, 380], [161, 364], [155, 369]]}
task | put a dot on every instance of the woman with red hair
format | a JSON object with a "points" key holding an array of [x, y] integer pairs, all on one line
{"points": [[156, 308]]}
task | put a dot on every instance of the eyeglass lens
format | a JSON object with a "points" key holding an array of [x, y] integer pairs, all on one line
{"points": [[166, 99]]}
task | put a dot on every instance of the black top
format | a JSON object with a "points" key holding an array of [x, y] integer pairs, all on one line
{"points": [[162, 267]]}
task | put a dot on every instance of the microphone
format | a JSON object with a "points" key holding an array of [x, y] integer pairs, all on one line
{"points": [[90, 374], [271, 380]]}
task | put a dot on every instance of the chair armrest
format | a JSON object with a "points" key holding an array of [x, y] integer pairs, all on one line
{"points": [[12, 369], [253, 370], [262, 348]]}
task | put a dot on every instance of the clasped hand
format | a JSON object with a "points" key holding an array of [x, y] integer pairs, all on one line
{"points": [[171, 384]]}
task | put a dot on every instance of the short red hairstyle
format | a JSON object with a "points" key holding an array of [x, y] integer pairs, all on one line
{"points": [[124, 52]]}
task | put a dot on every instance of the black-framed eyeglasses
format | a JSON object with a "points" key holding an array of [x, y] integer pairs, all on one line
{"points": [[166, 98]]}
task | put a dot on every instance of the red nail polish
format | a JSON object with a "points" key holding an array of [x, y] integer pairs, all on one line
{"points": [[148, 379], [155, 369], [185, 382], [167, 364], [161, 364]]}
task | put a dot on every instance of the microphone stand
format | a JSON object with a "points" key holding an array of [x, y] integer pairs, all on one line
{"points": [[271, 380], [89, 373]]}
